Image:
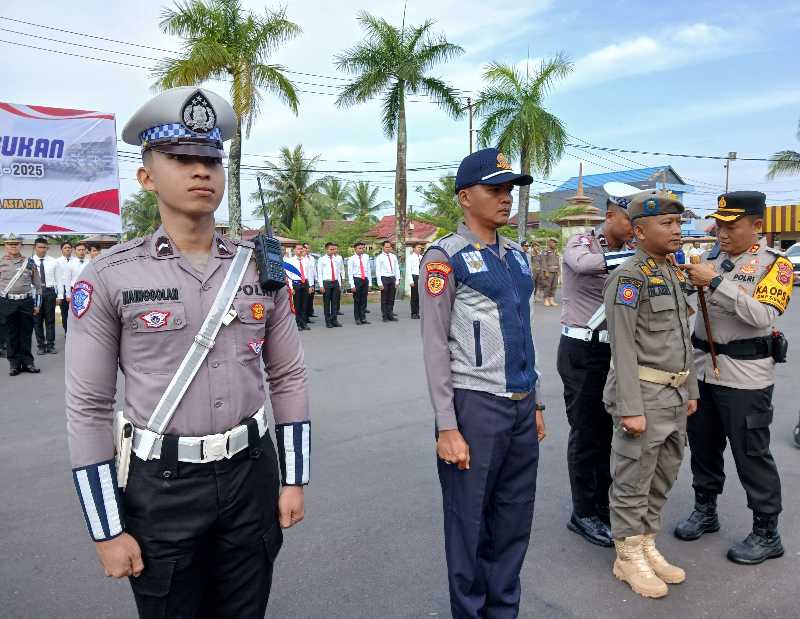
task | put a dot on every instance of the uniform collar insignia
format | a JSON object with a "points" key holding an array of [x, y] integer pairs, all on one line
{"points": [[222, 248], [163, 247], [754, 248], [198, 115]]}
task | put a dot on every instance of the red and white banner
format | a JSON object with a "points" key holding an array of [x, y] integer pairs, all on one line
{"points": [[58, 171]]}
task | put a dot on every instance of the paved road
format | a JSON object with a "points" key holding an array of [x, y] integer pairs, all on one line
{"points": [[372, 543]]}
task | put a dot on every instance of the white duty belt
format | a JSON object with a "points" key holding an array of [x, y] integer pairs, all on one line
{"points": [[203, 342], [584, 334]]}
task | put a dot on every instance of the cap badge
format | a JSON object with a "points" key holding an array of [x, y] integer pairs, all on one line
{"points": [[650, 205], [502, 162], [198, 114], [722, 203]]}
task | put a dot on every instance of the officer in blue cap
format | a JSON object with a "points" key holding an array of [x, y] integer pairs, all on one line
{"points": [[477, 314]]}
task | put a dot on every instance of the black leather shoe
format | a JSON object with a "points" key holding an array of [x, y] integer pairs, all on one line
{"points": [[386, 319], [702, 520], [394, 319], [31, 369], [366, 322], [41, 351], [591, 529], [358, 321], [13, 371], [329, 325], [367, 311], [604, 514], [2, 352], [51, 350], [415, 316], [763, 543], [306, 328], [336, 323]]}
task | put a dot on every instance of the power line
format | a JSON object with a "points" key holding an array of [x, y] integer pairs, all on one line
{"points": [[645, 152]]}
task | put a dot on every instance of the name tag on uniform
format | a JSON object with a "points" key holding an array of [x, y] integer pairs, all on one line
{"points": [[474, 262]]}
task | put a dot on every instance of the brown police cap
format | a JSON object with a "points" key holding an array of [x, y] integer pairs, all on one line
{"points": [[654, 202]]}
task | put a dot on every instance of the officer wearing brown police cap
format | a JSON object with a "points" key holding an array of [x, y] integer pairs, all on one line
{"points": [[748, 287]]}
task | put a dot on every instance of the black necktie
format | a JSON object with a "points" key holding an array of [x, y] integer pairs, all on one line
{"points": [[41, 272]]}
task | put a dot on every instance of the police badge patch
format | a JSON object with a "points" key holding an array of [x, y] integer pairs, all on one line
{"points": [[437, 277], [255, 346], [257, 311], [155, 319], [198, 115], [628, 292], [474, 262], [81, 298]]}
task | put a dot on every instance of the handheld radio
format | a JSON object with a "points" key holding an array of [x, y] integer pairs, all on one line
{"points": [[269, 254]]}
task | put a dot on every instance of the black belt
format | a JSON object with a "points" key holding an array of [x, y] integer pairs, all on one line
{"points": [[746, 350]]}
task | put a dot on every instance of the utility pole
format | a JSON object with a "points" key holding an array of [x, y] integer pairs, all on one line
{"points": [[469, 107], [731, 156]]}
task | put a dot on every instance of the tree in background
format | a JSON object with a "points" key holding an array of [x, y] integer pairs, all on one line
{"points": [[363, 202], [445, 211], [390, 63], [333, 197], [785, 162], [513, 115], [290, 191], [140, 215], [223, 42]]}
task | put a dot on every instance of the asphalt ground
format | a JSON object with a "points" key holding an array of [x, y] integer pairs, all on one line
{"points": [[371, 545]]}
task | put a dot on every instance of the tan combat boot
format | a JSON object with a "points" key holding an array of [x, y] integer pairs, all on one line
{"points": [[546, 301], [667, 572], [631, 567], [553, 302]]}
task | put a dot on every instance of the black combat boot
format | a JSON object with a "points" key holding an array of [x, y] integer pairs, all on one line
{"points": [[762, 544], [702, 520]]}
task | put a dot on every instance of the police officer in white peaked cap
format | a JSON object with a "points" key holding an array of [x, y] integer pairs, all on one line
{"points": [[182, 492]]}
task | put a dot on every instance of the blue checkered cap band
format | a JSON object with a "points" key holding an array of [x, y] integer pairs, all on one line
{"points": [[177, 130]]}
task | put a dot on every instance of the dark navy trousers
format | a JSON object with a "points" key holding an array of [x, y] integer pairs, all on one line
{"points": [[488, 509]]}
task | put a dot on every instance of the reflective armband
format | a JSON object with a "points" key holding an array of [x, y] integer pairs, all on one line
{"points": [[294, 449], [615, 258], [97, 489]]}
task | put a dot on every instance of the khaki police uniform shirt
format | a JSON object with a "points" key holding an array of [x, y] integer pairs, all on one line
{"points": [[736, 314], [584, 276], [29, 278], [145, 305], [648, 325], [551, 262]]}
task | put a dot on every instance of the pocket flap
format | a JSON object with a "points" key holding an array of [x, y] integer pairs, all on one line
{"points": [[758, 420], [625, 445], [155, 580], [273, 540], [153, 318]]}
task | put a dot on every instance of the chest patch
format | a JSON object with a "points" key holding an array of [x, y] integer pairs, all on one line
{"points": [[257, 311], [81, 298], [256, 346], [628, 292], [155, 319], [474, 261], [150, 294]]}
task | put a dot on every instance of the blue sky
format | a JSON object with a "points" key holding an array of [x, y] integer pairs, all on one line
{"points": [[681, 77]]}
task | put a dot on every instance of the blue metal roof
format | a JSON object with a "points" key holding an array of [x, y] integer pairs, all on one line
{"points": [[624, 176]]}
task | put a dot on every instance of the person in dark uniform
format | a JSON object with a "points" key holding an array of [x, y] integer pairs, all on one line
{"points": [[584, 357], [20, 300], [182, 314], [480, 361], [44, 323], [748, 287]]}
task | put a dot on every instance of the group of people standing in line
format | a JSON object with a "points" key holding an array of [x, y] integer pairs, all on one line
{"points": [[330, 275], [30, 290]]}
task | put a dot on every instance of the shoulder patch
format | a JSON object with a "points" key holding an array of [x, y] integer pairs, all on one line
{"points": [[628, 291], [241, 242], [81, 298], [436, 278], [775, 288]]}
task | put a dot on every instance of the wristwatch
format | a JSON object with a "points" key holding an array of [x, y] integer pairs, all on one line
{"points": [[540, 407], [716, 281]]}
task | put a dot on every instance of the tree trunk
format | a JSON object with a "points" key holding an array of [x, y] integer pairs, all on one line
{"points": [[524, 196], [400, 192], [234, 184]]}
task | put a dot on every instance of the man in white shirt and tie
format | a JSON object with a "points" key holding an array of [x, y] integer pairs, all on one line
{"points": [[358, 273], [44, 323], [301, 280], [329, 282], [387, 274], [63, 280], [413, 269], [312, 266]]}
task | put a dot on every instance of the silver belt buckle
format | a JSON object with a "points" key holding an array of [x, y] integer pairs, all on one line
{"points": [[216, 447], [520, 395]]}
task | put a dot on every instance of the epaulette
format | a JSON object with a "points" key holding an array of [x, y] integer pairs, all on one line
{"points": [[110, 256], [775, 251], [242, 242], [506, 242]]}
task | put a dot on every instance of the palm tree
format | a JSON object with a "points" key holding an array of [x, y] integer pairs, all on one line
{"points": [[225, 43], [290, 191], [785, 162], [390, 63], [333, 196], [445, 211], [363, 202], [514, 118], [140, 215]]}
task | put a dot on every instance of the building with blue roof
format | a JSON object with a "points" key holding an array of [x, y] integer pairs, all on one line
{"points": [[661, 177]]}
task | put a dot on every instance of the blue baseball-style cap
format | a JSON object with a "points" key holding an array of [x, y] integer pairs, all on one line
{"points": [[488, 167]]}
